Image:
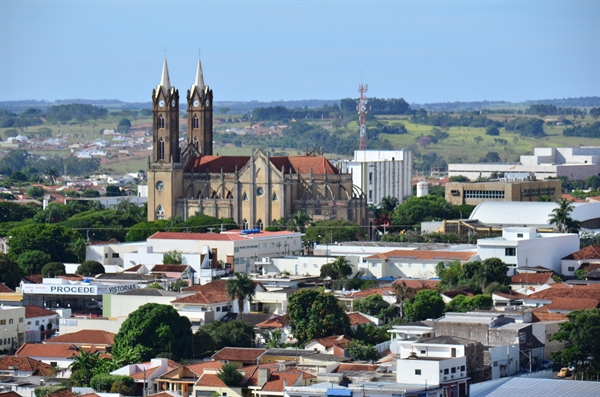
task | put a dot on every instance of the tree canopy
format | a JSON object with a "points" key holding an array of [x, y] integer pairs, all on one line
{"points": [[90, 268], [153, 329], [426, 304], [315, 314], [240, 287], [49, 238], [426, 208], [334, 231], [10, 273]]}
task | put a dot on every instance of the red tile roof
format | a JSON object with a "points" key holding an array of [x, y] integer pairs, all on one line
{"points": [[36, 311], [417, 284], [531, 278], [140, 374], [214, 164], [215, 285], [331, 341], [275, 321], [200, 367], [279, 380], [561, 290], [62, 393], [5, 289], [425, 255], [85, 337], [590, 267], [239, 354], [10, 394], [170, 268], [589, 252], [210, 380], [33, 279], [357, 367], [50, 350], [510, 296], [570, 304], [37, 368], [133, 269], [297, 164], [385, 291], [89, 395], [358, 319], [204, 298]]}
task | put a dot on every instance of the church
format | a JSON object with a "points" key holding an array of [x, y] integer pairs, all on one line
{"points": [[252, 190]]}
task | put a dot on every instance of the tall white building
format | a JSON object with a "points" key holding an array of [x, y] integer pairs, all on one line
{"points": [[381, 173]]}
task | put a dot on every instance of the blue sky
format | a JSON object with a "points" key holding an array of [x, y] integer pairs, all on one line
{"points": [[423, 51]]}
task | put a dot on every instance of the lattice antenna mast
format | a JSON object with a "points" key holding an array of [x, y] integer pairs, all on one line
{"points": [[362, 109]]}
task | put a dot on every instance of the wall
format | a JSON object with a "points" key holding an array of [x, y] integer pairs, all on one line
{"points": [[544, 330], [123, 305], [70, 325], [432, 371]]}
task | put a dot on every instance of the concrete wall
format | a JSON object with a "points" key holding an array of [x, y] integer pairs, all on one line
{"points": [[70, 325], [432, 371]]}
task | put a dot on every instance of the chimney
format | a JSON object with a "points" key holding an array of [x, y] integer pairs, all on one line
{"points": [[263, 376]]}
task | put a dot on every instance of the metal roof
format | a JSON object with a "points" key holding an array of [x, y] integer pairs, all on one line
{"points": [[536, 387]]}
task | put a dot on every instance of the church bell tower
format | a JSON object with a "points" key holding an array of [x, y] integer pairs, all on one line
{"points": [[165, 171], [200, 115]]}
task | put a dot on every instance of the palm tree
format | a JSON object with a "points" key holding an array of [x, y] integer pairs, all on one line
{"points": [[301, 218], [77, 248], [240, 287], [389, 204], [561, 216], [52, 173], [273, 341], [403, 292]]}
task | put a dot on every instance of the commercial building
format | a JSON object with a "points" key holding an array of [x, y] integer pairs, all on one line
{"points": [[574, 163], [473, 193], [12, 327], [381, 173]]}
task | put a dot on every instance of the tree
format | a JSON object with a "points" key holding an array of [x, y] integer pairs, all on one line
{"points": [[90, 193], [90, 268], [49, 238], [113, 191], [173, 257], [36, 192], [595, 113], [478, 139], [459, 178], [52, 174], [582, 345], [301, 218], [236, 333], [561, 216], [230, 375], [426, 208], [403, 292], [426, 304], [316, 314], [495, 271], [77, 247], [141, 231], [10, 274], [389, 204], [494, 131], [240, 287], [336, 270], [84, 366], [53, 269], [31, 262], [360, 350], [124, 126], [103, 383], [374, 305], [153, 329], [334, 230], [13, 212]]}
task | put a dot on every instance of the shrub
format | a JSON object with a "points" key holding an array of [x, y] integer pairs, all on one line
{"points": [[53, 269], [103, 383]]}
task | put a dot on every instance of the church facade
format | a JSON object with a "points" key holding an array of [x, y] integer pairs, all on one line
{"points": [[252, 190]]}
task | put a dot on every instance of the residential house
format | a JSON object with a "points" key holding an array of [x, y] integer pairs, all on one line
{"points": [[12, 326], [24, 366], [335, 345], [123, 304], [89, 338], [271, 382], [241, 356], [403, 336], [273, 325], [57, 355], [522, 247], [144, 374], [448, 373], [527, 280], [580, 258], [358, 319]]}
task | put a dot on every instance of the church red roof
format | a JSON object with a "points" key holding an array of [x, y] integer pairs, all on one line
{"points": [[318, 165]]}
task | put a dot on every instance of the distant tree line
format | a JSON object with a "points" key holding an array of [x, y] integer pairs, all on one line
{"points": [[586, 131], [35, 166], [79, 112], [28, 118], [542, 110]]}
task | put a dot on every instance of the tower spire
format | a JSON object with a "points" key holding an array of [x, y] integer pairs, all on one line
{"points": [[199, 83], [165, 82]]}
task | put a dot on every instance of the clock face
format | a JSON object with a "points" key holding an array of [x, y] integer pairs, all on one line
{"points": [[196, 103], [260, 191], [173, 103], [161, 103], [160, 185]]}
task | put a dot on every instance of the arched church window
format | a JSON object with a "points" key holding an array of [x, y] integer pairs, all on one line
{"points": [[161, 149], [229, 195], [195, 122], [161, 121], [196, 142], [245, 224], [160, 212], [244, 197], [259, 224], [214, 195], [275, 198]]}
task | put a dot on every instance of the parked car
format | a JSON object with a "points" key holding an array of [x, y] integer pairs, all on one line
{"points": [[564, 372]]}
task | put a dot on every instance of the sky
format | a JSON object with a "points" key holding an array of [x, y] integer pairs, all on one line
{"points": [[422, 51]]}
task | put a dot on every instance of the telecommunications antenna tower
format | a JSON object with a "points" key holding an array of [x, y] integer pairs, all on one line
{"points": [[362, 116]]}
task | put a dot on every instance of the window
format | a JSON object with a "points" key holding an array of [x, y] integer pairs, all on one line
{"points": [[510, 251], [161, 149], [37, 322], [244, 197], [10, 320], [161, 121], [160, 212], [453, 352], [462, 367], [370, 195], [218, 308], [275, 198], [495, 363], [370, 178], [28, 322], [519, 235], [3, 321], [195, 122], [552, 191], [423, 352], [417, 372], [446, 371], [53, 363], [453, 370], [106, 255], [20, 319], [115, 255], [571, 269], [373, 264], [484, 194]]}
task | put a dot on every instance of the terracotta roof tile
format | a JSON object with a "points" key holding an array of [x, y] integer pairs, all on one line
{"points": [[385, 291], [230, 235], [335, 340], [560, 291], [170, 268], [590, 267], [49, 350], [33, 279], [216, 285], [210, 380], [357, 367], [215, 163], [62, 393], [358, 319], [89, 395], [140, 374], [10, 394], [510, 296], [36, 367], [200, 367], [36, 311], [425, 255], [278, 380], [204, 298], [298, 164], [418, 284], [5, 289], [85, 336], [531, 278], [133, 269], [589, 252], [570, 304], [239, 354], [275, 321]]}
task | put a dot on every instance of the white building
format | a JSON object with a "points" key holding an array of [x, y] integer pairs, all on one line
{"points": [[12, 327], [450, 373], [40, 323], [381, 173], [521, 247], [575, 163]]}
